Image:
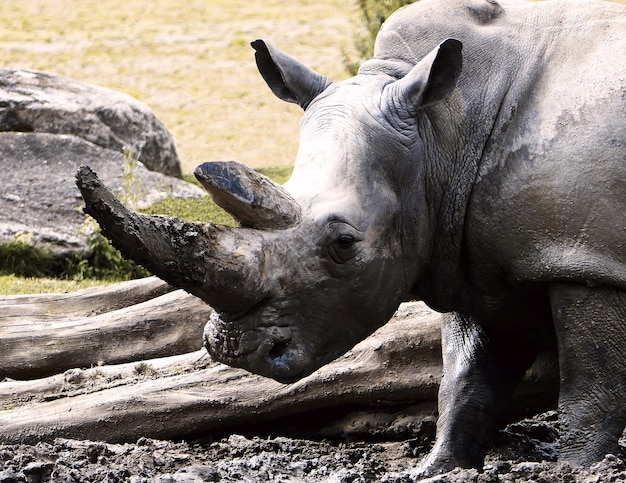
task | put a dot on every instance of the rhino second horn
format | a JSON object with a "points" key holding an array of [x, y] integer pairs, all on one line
{"points": [[252, 199]]}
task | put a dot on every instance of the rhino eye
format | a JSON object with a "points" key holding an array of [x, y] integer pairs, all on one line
{"points": [[343, 248], [345, 242]]}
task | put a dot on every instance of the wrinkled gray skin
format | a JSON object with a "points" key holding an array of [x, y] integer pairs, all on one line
{"points": [[490, 184]]}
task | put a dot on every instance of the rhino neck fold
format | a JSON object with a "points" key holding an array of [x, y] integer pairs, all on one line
{"points": [[218, 264], [453, 175], [450, 177]]}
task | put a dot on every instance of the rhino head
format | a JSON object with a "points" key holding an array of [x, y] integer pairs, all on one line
{"points": [[320, 263]]}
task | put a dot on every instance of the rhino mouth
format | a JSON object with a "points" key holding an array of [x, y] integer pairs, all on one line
{"points": [[270, 350]]}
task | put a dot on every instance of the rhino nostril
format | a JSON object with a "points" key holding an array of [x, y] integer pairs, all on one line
{"points": [[278, 351]]}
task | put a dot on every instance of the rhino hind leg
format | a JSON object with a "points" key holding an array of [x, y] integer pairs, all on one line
{"points": [[591, 331], [482, 368]]}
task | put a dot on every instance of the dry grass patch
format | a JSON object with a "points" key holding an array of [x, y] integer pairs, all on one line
{"points": [[189, 61]]}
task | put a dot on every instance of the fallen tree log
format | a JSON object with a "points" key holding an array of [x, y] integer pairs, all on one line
{"points": [[185, 399], [81, 303], [188, 395], [41, 335]]}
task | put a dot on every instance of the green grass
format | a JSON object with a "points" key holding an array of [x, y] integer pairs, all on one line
{"points": [[204, 209], [19, 258], [279, 174], [12, 285], [22, 259]]}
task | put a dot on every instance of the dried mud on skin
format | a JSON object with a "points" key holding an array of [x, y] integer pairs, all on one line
{"points": [[524, 451]]}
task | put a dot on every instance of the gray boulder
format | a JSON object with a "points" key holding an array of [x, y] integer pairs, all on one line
{"points": [[38, 196], [32, 101]]}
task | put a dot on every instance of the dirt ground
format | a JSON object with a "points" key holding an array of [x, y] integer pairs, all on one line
{"points": [[524, 451]]}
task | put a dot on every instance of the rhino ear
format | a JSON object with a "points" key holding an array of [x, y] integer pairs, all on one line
{"points": [[432, 79], [289, 79]]}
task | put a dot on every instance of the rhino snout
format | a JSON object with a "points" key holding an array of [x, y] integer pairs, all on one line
{"points": [[268, 351]]}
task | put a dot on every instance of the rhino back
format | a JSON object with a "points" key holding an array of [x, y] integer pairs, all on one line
{"points": [[543, 95], [553, 172]]}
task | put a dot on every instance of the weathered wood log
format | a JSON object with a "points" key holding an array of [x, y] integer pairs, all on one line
{"points": [[186, 400], [46, 334], [188, 395], [82, 303]]}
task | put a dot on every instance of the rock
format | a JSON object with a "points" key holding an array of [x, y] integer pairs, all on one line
{"points": [[10, 476], [32, 101], [49, 125], [38, 471], [194, 473], [39, 198]]}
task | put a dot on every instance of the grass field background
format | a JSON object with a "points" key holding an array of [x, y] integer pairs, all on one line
{"points": [[189, 61]]}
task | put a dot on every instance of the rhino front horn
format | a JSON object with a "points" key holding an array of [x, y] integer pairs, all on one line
{"points": [[218, 264], [252, 199]]}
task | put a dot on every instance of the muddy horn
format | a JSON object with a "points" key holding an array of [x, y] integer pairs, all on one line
{"points": [[216, 263], [251, 198]]}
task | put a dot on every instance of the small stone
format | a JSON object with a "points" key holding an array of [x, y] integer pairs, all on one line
{"points": [[74, 376], [10, 476], [38, 471]]}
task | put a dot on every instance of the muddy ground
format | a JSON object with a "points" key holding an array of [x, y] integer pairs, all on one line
{"points": [[524, 451]]}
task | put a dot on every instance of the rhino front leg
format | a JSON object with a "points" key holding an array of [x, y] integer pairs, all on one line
{"points": [[591, 333], [482, 367]]}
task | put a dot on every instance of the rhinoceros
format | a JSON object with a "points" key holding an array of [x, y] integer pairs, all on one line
{"points": [[477, 163]]}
